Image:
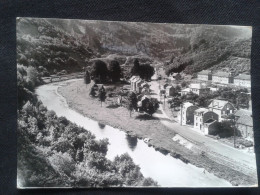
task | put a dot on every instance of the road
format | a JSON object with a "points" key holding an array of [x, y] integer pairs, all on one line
{"points": [[221, 153]]}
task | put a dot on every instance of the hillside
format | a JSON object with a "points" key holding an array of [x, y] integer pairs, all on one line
{"points": [[40, 43], [68, 44]]}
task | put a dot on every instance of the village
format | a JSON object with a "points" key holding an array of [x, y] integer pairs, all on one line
{"points": [[205, 119]]}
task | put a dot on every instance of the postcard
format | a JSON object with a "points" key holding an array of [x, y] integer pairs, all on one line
{"points": [[133, 104]]}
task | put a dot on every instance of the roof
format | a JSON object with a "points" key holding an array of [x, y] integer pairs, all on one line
{"points": [[195, 85], [242, 112], [204, 72], [134, 77], [221, 74], [187, 104], [186, 90], [139, 81], [203, 110], [243, 77], [218, 104], [210, 121], [245, 120], [143, 84], [168, 87]]}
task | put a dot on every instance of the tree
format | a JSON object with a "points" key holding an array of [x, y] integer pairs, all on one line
{"points": [[135, 68], [146, 71], [151, 106], [92, 92], [87, 77], [102, 94], [32, 77], [99, 71], [114, 71], [132, 102]]}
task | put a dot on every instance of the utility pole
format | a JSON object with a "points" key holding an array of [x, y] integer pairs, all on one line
{"points": [[234, 133]]}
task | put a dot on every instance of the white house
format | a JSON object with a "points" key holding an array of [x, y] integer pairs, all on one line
{"points": [[222, 77], [185, 91], [202, 116], [199, 89]]}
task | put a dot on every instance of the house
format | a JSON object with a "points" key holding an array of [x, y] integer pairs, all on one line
{"points": [[145, 85], [242, 112], [186, 114], [185, 91], [144, 99], [242, 80], [202, 116], [221, 107], [223, 77], [169, 91], [213, 89], [199, 89], [138, 84], [133, 80], [205, 75], [145, 88], [210, 127], [245, 125]]}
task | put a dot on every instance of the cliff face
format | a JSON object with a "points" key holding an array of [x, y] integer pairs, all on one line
{"points": [[199, 46]]}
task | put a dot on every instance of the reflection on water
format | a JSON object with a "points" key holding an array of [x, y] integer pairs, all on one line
{"points": [[166, 170], [131, 141], [101, 125]]}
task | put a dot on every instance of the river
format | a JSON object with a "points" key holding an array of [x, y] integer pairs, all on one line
{"points": [[166, 170]]}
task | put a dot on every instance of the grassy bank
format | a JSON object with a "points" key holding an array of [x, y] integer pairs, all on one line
{"points": [[77, 96]]}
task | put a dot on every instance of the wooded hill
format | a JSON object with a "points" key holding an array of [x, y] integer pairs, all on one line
{"points": [[69, 44]]}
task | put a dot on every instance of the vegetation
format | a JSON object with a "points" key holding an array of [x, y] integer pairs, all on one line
{"points": [[114, 71], [150, 106], [54, 152], [99, 72], [132, 102], [226, 128], [145, 71], [45, 46], [87, 77]]}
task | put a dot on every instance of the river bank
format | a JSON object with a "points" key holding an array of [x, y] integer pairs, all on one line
{"points": [[77, 95]]}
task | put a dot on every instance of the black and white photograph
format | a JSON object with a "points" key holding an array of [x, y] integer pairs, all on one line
{"points": [[133, 104]]}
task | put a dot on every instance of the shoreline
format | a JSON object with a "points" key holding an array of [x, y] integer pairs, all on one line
{"points": [[175, 149]]}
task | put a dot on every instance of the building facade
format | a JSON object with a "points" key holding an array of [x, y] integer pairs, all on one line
{"points": [[205, 75], [198, 89], [202, 116], [222, 77], [221, 108], [169, 91], [186, 114], [245, 125]]}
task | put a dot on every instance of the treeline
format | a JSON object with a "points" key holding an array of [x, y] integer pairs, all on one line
{"points": [[102, 72], [53, 152]]}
